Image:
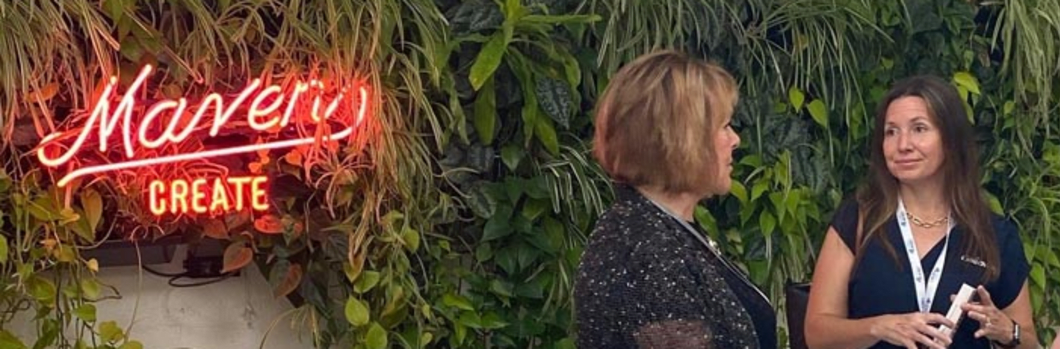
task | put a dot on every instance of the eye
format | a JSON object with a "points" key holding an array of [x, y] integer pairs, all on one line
{"points": [[920, 128], [890, 131]]}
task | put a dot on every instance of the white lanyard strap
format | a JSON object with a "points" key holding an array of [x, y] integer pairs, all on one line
{"points": [[925, 292]]}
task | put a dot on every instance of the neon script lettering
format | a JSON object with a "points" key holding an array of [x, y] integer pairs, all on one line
{"points": [[262, 113]]}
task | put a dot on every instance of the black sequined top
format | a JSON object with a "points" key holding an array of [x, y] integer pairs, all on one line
{"points": [[645, 281]]}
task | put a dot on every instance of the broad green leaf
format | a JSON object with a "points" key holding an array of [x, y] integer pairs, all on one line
{"points": [[93, 206], [555, 233], [115, 9], [565, 343], [547, 135], [796, 98], [3, 249], [554, 97], [86, 312], [44, 209], [366, 281], [356, 311], [492, 321], [425, 338], [376, 338], [488, 59], [109, 332], [819, 112], [460, 332], [65, 253], [90, 288], [1008, 107], [481, 202], [535, 207], [767, 222], [739, 191], [457, 301], [573, 70], [486, 112], [512, 155], [995, 204], [9, 341], [501, 288], [759, 188], [537, 188], [968, 81], [496, 227], [1038, 275], [470, 319], [42, 289], [411, 237], [131, 345], [483, 252], [48, 334]]}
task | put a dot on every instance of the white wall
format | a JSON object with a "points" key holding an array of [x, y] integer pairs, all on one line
{"points": [[234, 313]]}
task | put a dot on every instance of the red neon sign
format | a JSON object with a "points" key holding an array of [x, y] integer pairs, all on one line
{"points": [[208, 196], [261, 115]]}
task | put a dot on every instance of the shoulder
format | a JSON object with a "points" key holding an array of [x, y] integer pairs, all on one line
{"points": [[845, 221], [632, 234], [1004, 228]]}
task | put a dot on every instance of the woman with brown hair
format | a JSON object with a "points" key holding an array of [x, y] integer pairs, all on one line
{"points": [[920, 229], [649, 278]]}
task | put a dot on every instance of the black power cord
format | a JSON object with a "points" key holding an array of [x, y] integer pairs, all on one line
{"points": [[195, 268], [173, 277]]}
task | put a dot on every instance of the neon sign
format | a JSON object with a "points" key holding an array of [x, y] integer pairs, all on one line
{"points": [[266, 108], [203, 196]]}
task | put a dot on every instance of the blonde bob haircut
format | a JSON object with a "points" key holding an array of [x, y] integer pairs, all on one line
{"points": [[657, 120]]}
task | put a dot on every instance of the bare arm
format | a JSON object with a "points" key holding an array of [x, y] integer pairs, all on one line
{"points": [[1020, 310], [827, 325]]}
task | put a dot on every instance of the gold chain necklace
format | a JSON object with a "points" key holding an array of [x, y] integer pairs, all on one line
{"points": [[921, 223]]}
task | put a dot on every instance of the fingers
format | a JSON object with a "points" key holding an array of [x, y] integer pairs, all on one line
{"points": [[977, 315], [934, 318], [927, 336], [984, 296]]}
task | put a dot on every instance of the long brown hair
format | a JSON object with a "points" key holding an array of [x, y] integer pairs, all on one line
{"points": [[878, 200]]}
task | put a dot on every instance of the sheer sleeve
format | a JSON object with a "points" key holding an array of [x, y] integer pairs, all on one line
{"points": [[670, 309]]}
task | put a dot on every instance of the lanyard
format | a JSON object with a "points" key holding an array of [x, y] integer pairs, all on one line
{"points": [[713, 247], [925, 292]]}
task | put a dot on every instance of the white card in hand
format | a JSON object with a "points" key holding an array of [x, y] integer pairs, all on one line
{"points": [[956, 313]]}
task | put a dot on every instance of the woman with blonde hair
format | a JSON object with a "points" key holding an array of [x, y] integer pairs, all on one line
{"points": [[649, 278]]}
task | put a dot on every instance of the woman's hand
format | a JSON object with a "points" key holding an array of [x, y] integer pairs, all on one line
{"points": [[993, 323], [911, 329]]}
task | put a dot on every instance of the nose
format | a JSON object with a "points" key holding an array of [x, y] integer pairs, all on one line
{"points": [[736, 144], [904, 142]]}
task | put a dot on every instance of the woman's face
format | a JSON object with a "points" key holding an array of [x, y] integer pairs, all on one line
{"points": [[912, 143], [725, 141]]}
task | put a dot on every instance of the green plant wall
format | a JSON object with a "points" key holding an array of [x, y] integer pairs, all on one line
{"points": [[458, 218]]}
